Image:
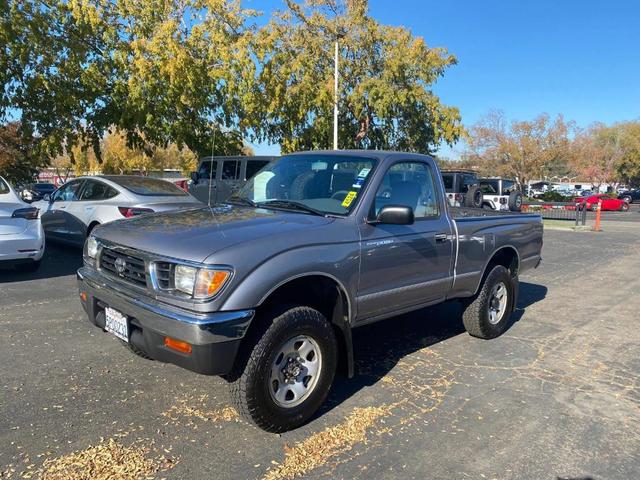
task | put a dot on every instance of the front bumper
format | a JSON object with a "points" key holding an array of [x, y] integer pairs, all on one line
{"points": [[214, 337]]}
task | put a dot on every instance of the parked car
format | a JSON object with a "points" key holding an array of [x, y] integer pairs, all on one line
{"points": [[217, 178], [608, 203], [462, 188], [22, 239], [32, 192], [630, 196], [72, 211], [267, 288], [501, 194]]}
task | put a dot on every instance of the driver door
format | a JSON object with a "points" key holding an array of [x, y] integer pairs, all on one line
{"points": [[55, 220], [405, 266]]}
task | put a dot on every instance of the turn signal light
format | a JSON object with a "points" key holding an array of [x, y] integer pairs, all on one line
{"points": [[177, 345], [209, 282]]}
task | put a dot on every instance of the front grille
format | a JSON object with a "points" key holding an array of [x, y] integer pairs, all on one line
{"points": [[163, 275], [133, 271]]}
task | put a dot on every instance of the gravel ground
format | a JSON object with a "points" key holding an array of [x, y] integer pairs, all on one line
{"points": [[557, 396]]}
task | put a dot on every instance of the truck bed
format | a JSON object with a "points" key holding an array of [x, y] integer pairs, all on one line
{"points": [[470, 212]]}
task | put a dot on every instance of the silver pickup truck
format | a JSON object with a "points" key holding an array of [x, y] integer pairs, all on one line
{"points": [[266, 288]]}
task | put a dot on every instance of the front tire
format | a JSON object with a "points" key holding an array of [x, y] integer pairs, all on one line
{"points": [[487, 315], [286, 375]]}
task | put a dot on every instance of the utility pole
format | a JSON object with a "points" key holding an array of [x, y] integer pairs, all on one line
{"points": [[335, 98]]}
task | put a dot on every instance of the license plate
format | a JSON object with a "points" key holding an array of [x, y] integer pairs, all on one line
{"points": [[116, 323]]}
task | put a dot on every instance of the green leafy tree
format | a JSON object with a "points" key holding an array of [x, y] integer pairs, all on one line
{"points": [[19, 158], [386, 76], [158, 71], [628, 168]]}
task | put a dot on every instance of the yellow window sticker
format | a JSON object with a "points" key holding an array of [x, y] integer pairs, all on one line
{"points": [[348, 200]]}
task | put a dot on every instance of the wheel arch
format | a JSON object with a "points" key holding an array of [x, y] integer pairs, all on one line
{"points": [[91, 226], [321, 291], [508, 257]]}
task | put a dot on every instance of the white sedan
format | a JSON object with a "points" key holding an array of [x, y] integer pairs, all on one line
{"points": [[21, 234], [76, 208]]}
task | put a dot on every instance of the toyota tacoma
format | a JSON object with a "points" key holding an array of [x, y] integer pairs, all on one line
{"points": [[266, 288]]}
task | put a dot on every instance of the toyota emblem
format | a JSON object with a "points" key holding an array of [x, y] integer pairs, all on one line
{"points": [[120, 265]]}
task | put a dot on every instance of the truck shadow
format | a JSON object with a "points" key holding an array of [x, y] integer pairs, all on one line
{"points": [[379, 347]]}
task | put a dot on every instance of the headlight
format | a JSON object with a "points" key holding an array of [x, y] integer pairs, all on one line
{"points": [[185, 278], [92, 247], [199, 282]]}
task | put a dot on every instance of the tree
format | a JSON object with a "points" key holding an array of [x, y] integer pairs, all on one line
{"points": [[19, 159], [628, 168], [159, 72], [386, 75], [598, 152], [525, 150]]}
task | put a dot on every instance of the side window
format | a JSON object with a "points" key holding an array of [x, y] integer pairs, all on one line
{"points": [[253, 167], [4, 188], [508, 186], [467, 181], [204, 170], [410, 184], [230, 170], [68, 193], [94, 190]]}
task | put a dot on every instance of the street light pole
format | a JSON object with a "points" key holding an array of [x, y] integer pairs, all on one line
{"points": [[335, 99]]}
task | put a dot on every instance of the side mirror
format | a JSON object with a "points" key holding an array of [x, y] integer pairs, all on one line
{"points": [[395, 215], [47, 197], [194, 177]]}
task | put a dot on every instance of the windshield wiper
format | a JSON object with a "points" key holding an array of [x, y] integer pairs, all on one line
{"points": [[243, 200], [292, 205]]}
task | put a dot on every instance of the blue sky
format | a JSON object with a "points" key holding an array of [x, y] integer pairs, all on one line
{"points": [[578, 58]]}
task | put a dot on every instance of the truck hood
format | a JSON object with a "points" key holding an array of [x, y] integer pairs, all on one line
{"points": [[197, 233]]}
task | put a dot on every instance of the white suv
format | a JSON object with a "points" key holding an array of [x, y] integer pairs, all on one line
{"points": [[501, 194]]}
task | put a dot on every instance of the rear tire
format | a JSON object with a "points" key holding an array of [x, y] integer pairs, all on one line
{"points": [[624, 207], [478, 318], [272, 386]]}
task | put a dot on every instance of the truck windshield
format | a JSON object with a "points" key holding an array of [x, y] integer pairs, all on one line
{"points": [[328, 184]]}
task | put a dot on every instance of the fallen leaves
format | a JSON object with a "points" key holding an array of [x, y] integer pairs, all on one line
{"points": [[105, 461], [183, 409], [316, 450]]}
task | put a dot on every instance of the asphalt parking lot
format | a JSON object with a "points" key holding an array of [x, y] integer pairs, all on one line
{"points": [[556, 397]]}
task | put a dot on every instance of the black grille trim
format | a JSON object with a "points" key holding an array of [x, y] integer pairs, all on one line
{"points": [[164, 272], [134, 271]]}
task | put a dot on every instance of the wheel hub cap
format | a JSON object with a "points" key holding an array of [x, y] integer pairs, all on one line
{"points": [[498, 303], [295, 370]]}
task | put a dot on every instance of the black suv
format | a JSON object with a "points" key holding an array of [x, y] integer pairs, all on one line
{"points": [[33, 192], [462, 188], [630, 196]]}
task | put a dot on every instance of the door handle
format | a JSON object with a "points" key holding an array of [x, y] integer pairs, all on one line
{"points": [[441, 237]]}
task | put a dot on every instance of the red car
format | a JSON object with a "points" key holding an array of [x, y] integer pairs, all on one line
{"points": [[608, 203]]}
